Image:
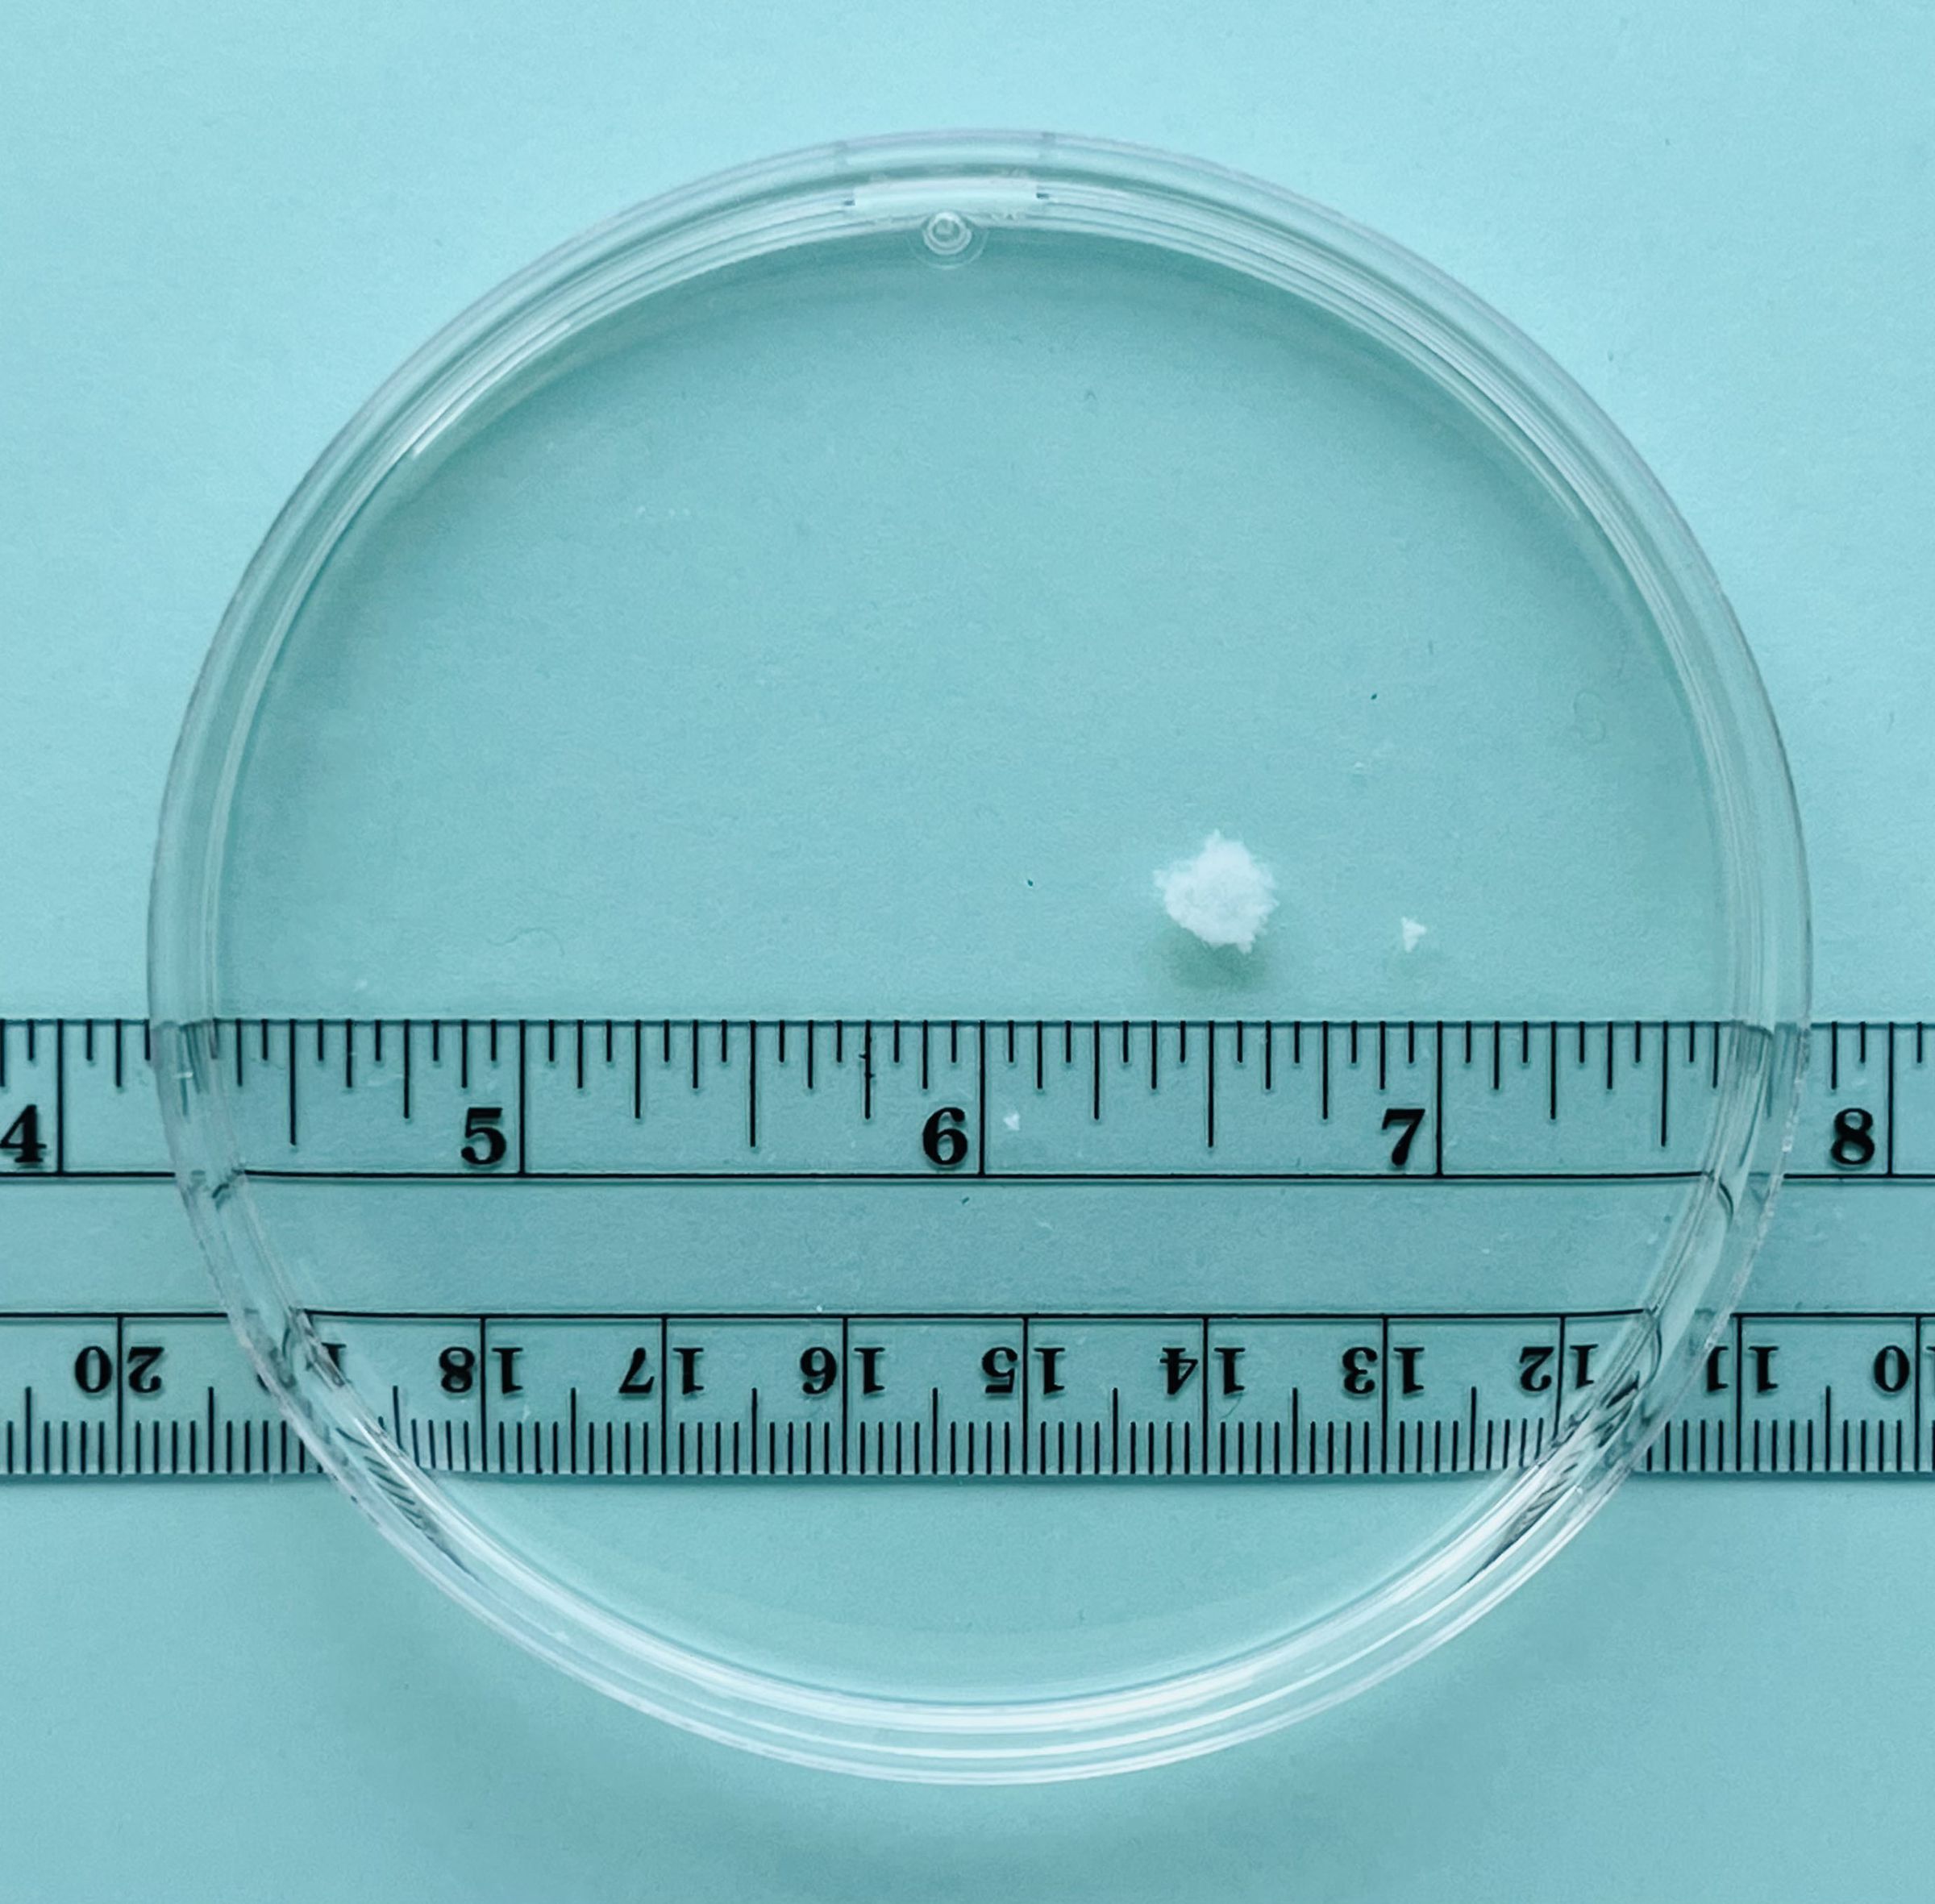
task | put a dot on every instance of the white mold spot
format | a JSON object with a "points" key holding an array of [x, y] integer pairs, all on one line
{"points": [[1223, 895], [1411, 932]]}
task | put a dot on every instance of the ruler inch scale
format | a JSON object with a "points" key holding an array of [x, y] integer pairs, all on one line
{"points": [[118, 1391], [923, 1101]]}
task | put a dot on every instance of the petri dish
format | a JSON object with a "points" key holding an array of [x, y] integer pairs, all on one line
{"points": [[1032, 628]]}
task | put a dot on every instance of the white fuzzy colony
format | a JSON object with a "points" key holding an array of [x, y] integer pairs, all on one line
{"points": [[1223, 895]]}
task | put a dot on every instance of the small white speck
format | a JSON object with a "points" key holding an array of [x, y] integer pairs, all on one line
{"points": [[1223, 895], [1411, 932], [1013, 1120]]}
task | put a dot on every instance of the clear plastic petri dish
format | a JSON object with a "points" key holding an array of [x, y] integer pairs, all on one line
{"points": [[979, 957]]}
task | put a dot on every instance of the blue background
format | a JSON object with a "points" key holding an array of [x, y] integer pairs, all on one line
{"points": [[220, 225]]}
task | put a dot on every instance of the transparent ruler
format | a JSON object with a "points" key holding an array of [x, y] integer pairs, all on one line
{"points": [[106, 1370]]}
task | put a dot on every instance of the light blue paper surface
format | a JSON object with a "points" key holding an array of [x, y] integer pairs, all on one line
{"points": [[219, 227]]}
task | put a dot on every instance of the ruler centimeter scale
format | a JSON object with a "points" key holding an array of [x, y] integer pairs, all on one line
{"points": [[122, 1392]]}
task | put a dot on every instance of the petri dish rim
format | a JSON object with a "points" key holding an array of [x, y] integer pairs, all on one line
{"points": [[947, 191]]}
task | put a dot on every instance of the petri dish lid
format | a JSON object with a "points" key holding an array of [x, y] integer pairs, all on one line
{"points": [[979, 957]]}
